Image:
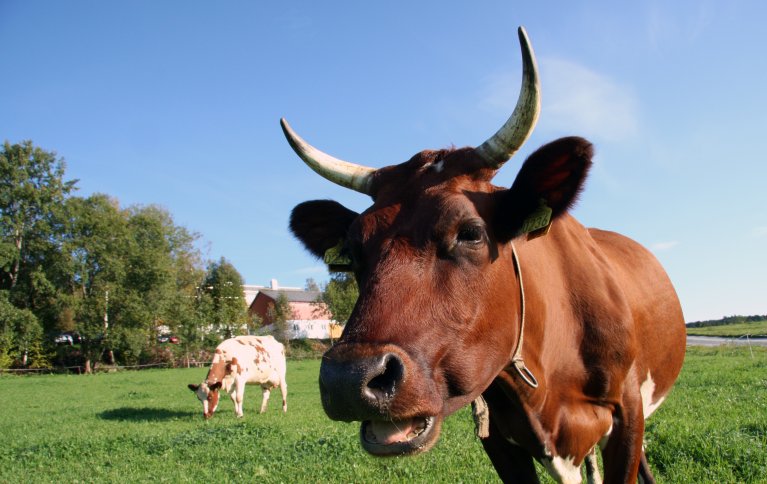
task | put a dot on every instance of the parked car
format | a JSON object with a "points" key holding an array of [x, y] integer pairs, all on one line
{"points": [[167, 338], [67, 339], [63, 339]]}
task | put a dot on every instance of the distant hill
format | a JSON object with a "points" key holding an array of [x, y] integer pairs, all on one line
{"points": [[727, 320]]}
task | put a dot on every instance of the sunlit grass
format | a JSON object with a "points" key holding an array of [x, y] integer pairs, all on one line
{"points": [[147, 427]]}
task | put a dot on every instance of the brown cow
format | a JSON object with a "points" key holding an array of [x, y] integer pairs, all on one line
{"points": [[568, 337]]}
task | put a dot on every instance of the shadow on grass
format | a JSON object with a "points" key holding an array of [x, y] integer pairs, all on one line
{"points": [[144, 414]]}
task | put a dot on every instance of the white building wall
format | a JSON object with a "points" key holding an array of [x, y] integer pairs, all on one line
{"points": [[309, 328]]}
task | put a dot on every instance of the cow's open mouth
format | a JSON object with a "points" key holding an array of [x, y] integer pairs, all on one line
{"points": [[400, 437]]}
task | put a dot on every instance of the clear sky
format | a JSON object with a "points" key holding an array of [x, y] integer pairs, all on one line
{"points": [[177, 103]]}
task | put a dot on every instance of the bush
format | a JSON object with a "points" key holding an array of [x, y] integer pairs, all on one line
{"points": [[303, 349]]}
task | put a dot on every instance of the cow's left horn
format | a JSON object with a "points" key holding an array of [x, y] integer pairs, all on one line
{"points": [[512, 135], [340, 172]]}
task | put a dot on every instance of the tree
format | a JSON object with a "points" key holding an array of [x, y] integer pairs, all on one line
{"points": [[223, 284], [279, 314], [32, 191], [311, 285], [340, 295], [96, 247], [31, 188], [126, 272], [20, 336], [87, 265], [164, 270], [6, 346]]}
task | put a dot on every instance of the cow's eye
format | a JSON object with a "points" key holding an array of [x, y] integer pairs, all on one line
{"points": [[471, 234]]}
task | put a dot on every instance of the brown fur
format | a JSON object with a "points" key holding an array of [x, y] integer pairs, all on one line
{"points": [[433, 261]]}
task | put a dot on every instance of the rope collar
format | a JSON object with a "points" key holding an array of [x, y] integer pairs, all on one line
{"points": [[480, 409]]}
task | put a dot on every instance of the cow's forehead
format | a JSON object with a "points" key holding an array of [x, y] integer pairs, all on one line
{"points": [[429, 170], [420, 207], [202, 391]]}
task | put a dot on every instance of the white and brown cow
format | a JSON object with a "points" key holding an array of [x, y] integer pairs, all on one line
{"points": [[240, 360]]}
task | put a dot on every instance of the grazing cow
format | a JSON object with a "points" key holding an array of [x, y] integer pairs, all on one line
{"points": [[241, 360], [565, 338]]}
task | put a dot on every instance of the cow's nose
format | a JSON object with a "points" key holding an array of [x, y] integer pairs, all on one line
{"points": [[382, 379], [359, 388]]}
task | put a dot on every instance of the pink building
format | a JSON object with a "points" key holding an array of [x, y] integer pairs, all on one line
{"points": [[308, 319]]}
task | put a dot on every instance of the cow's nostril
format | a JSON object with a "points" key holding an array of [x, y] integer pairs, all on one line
{"points": [[383, 386]]}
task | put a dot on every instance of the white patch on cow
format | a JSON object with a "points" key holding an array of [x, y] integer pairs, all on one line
{"points": [[438, 166], [563, 470], [653, 407], [647, 389]]}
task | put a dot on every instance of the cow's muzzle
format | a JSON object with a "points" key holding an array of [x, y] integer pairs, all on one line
{"points": [[379, 387], [362, 388]]}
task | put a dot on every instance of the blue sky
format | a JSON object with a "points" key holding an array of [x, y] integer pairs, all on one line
{"points": [[177, 103]]}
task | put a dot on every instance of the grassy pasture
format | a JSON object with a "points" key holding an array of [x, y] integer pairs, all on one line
{"points": [[757, 328], [147, 427]]}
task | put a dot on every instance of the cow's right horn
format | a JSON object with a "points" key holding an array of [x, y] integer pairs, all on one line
{"points": [[513, 134], [340, 172]]}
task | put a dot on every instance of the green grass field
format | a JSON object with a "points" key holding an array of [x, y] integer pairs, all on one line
{"points": [[147, 427], [758, 328]]}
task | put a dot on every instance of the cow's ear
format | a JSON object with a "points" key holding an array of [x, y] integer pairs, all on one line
{"points": [[193, 387], [215, 386], [546, 186], [320, 224]]}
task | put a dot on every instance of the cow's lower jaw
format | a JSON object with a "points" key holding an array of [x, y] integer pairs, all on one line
{"points": [[400, 437]]}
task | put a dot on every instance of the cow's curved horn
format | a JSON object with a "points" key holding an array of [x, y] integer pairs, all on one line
{"points": [[340, 172], [512, 135]]}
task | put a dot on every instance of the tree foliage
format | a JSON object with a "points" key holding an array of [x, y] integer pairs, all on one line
{"points": [[279, 314], [311, 285], [340, 295], [20, 336], [32, 187], [728, 320], [111, 274], [223, 287]]}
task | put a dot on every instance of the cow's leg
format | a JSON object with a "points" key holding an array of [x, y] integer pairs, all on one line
{"points": [[592, 468], [238, 396], [511, 462], [233, 396], [645, 475], [623, 452], [265, 392], [284, 392]]}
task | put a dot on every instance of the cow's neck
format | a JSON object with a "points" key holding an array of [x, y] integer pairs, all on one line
{"points": [[217, 371], [479, 406]]}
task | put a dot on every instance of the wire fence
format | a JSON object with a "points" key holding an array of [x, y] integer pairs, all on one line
{"points": [[97, 369]]}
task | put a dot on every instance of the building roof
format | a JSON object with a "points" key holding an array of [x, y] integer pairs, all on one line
{"points": [[293, 295]]}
